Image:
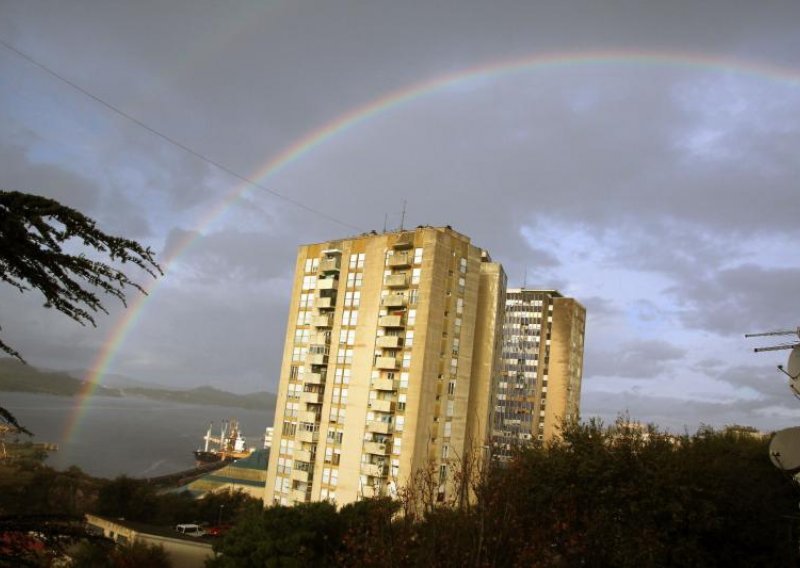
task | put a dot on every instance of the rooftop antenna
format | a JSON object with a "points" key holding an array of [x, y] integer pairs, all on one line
{"points": [[403, 216], [780, 346], [385, 220], [525, 279]]}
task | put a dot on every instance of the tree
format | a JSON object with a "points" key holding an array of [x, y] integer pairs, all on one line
{"points": [[35, 235]]}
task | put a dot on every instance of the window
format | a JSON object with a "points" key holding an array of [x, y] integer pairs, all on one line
{"points": [[397, 446], [451, 405], [415, 275], [403, 380], [448, 428], [460, 306], [412, 317], [409, 338], [406, 360], [306, 300], [350, 317], [357, 261], [401, 402], [354, 279], [309, 282], [462, 265], [312, 264], [413, 297], [451, 388], [417, 256], [399, 423]]}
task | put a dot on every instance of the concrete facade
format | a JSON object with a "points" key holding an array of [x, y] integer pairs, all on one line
{"points": [[539, 384], [391, 345]]}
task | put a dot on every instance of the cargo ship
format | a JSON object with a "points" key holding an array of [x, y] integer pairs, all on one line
{"points": [[229, 445]]}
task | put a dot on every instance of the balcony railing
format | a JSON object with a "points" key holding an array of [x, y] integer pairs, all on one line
{"points": [[330, 264], [313, 378], [323, 321], [300, 475], [317, 359], [372, 469], [325, 303], [381, 405], [379, 427], [396, 281], [311, 397], [375, 448], [399, 259], [388, 342], [394, 301], [308, 416], [327, 283], [383, 384], [302, 455], [387, 363], [299, 495], [391, 321], [306, 436]]}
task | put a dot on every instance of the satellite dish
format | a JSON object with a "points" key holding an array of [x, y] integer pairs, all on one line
{"points": [[784, 449], [793, 369]]}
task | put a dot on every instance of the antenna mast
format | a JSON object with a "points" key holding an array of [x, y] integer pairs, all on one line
{"points": [[403, 216]]}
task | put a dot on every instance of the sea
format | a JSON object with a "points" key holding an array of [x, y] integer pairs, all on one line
{"points": [[129, 436]]}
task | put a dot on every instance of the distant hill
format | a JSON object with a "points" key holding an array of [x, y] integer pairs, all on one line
{"points": [[208, 396], [17, 377]]}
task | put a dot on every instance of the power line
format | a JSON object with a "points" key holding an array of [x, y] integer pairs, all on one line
{"points": [[171, 140]]}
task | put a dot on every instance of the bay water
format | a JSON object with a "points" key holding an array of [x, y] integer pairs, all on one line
{"points": [[129, 436]]}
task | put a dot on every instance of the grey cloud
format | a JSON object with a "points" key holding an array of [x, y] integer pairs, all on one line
{"points": [[641, 359], [744, 299], [681, 415]]}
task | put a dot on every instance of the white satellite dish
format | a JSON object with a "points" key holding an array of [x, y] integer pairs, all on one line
{"points": [[784, 449]]}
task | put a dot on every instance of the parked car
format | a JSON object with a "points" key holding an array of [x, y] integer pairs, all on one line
{"points": [[190, 529]]}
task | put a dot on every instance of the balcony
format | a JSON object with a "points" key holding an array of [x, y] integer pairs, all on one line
{"points": [[325, 303], [381, 405], [330, 264], [323, 338], [375, 448], [313, 378], [383, 384], [405, 241], [311, 397], [400, 259], [302, 456], [396, 281], [317, 359], [372, 469], [300, 475], [323, 320], [299, 495], [371, 491], [379, 427], [308, 416], [389, 342], [387, 363], [394, 301], [327, 283], [306, 436], [390, 321]]}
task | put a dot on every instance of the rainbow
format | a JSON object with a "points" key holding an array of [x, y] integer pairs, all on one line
{"points": [[357, 116]]}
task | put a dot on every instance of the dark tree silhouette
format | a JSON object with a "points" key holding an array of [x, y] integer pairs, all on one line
{"points": [[33, 233]]}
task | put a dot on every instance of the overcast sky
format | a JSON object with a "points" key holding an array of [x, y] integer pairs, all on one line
{"points": [[660, 191]]}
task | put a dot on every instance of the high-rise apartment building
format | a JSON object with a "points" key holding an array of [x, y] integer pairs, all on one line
{"points": [[391, 346], [539, 383]]}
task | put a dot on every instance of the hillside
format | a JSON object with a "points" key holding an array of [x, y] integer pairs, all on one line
{"points": [[16, 377]]}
